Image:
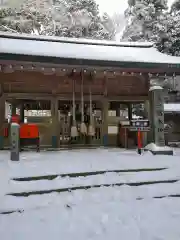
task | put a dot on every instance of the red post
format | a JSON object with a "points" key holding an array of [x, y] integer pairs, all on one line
{"points": [[139, 141]]}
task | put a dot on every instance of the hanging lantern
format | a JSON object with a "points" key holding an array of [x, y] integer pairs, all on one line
{"points": [[91, 130], [83, 128], [74, 132]]}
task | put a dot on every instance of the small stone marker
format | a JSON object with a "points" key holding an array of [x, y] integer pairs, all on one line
{"points": [[14, 142]]}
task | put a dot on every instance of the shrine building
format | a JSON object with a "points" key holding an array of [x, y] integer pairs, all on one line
{"points": [[84, 88]]}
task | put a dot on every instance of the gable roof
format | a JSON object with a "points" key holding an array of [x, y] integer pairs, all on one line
{"points": [[83, 50]]}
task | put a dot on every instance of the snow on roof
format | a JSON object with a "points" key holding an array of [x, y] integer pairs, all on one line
{"points": [[75, 40], [82, 49], [155, 88], [172, 107]]}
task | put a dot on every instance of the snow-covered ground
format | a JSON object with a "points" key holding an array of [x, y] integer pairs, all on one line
{"points": [[95, 218], [44, 163], [130, 212]]}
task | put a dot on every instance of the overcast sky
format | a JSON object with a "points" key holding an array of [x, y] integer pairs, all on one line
{"points": [[111, 6]]}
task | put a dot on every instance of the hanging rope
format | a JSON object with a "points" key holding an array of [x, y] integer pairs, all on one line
{"points": [[91, 131], [83, 127], [74, 132], [90, 104], [74, 105], [82, 97]]}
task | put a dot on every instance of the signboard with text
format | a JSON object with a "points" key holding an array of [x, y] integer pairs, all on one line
{"points": [[140, 125]]}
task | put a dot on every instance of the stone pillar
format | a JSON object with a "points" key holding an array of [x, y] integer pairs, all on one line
{"points": [[105, 108], [157, 121], [55, 123], [2, 120]]}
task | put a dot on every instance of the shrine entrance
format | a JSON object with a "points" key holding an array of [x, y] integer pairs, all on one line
{"points": [[88, 128]]}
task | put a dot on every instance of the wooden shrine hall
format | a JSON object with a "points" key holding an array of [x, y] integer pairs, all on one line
{"points": [[80, 83]]}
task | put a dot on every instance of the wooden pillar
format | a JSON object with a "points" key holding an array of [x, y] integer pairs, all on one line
{"points": [[105, 108], [22, 112], [13, 108], [129, 111], [118, 110], [2, 120], [55, 123]]}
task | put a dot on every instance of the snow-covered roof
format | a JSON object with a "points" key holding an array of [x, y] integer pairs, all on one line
{"points": [[172, 107], [76, 40], [82, 49]]}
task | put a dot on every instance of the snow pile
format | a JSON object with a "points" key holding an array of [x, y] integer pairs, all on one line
{"points": [[154, 148]]}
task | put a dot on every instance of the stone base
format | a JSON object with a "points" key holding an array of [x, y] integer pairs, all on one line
{"points": [[158, 150], [1, 142], [14, 156]]}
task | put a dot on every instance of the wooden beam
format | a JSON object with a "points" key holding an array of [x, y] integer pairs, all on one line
{"points": [[138, 70], [34, 96], [127, 98], [68, 97]]}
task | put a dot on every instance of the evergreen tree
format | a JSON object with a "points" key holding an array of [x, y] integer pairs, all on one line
{"points": [[150, 22], [23, 17], [85, 20], [147, 20], [67, 18], [171, 44]]}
